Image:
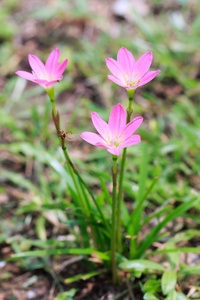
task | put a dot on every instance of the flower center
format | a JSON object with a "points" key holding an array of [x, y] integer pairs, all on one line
{"points": [[116, 140], [129, 81], [46, 76]]}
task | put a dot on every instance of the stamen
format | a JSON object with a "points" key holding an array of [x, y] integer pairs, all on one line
{"points": [[125, 80], [108, 135], [121, 134], [107, 142], [136, 74], [115, 134]]}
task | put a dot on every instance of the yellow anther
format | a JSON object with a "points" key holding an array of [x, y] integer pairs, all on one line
{"points": [[107, 142], [121, 134], [108, 135], [125, 80], [115, 134], [136, 74]]}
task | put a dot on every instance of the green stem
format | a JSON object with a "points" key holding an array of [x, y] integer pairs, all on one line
{"points": [[113, 230], [75, 180], [121, 177], [53, 107], [72, 170]]}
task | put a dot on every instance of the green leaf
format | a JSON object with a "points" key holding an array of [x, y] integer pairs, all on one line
{"points": [[75, 251], [185, 235], [134, 225], [19, 180], [141, 265], [105, 191], [173, 257], [67, 295], [171, 295], [143, 171], [181, 296], [154, 232], [184, 250], [152, 286], [187, 270], [40, 228], [168, 281], [82, 276], [150, 296], [156, 214]]}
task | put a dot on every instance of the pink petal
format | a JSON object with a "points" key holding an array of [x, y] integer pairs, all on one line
{"points": [[114, 68], [132, 140], [115, 151], [126, 60], [45, 83], [26, 75], [131, 127], [52, 62], [100, 125], [42, 82], [148, 77], [62, 67], [92, 138], [142, 65], [116, 80], [117, 119], [49, 84], [37, 66]]}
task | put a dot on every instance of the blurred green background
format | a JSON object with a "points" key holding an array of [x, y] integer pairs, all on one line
{"points": [[87, 32]]}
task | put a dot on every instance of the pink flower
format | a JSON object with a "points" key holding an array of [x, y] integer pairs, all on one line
{"points": [[116, 134], [45, 75], [130, 73]]}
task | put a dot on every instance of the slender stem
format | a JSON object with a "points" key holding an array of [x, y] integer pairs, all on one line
{"points": [[113, 230], [75, 180], [57, 125], [72, 170], [121, 177], [53, 107]]}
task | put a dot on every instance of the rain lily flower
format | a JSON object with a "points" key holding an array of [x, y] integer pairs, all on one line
{"points": [[129, 73], [45, 75], [115, 135]]}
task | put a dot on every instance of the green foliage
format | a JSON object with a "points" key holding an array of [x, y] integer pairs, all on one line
{"points": [[168, 281], [162, 178], [67, 295]]}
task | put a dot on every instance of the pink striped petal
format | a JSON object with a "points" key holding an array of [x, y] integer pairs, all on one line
{"points": [[132, 140], [42, 82], [62, 67], [126, 60], [26, 75], [49, 84], [142, 65], [117, 119], [100, 125], [45, 83], [131, 127], [148, 77], [117, 81], [52, 62], [115, 151], [93, 138], [114, 68], [37, 66]]}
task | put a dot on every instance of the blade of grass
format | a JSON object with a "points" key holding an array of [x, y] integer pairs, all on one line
{"points": [[153, 234], [75, 251], [134, 227]]}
